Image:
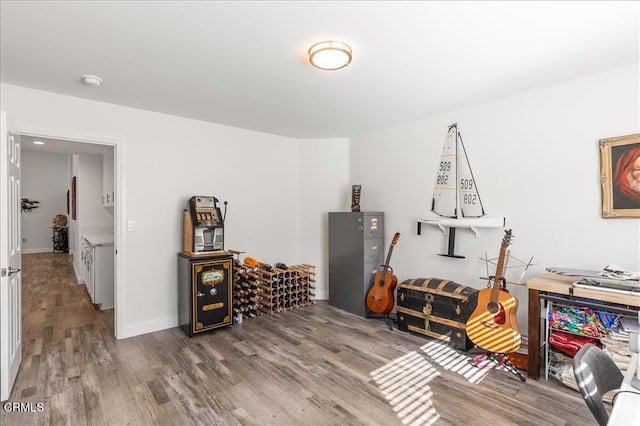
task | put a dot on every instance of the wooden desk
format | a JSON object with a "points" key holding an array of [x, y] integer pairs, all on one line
{"points": [[553, 283]]}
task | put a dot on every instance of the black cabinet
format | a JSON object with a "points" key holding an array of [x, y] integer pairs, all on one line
{"points": [[60, 239], [204, 292]]}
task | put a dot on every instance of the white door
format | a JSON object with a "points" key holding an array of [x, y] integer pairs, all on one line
{"points": [[10, 275]]}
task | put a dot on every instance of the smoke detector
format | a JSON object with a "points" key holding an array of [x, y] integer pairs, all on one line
{"points": [[92, 80]]}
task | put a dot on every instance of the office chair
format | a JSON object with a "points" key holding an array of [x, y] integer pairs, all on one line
{"points": [[596, 374]]}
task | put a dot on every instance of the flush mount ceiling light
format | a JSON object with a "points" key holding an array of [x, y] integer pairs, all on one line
{"points": [[330, 55], [38, 142], [92, 80]]}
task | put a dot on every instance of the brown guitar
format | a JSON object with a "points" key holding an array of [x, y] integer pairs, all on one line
{"points": [[492, 326], [380, 295]]}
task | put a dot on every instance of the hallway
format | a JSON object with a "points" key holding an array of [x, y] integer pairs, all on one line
{"points": [[63, 333]]}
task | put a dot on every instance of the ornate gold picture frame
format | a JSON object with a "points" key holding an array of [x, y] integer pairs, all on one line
{"points": [[620, 176]]}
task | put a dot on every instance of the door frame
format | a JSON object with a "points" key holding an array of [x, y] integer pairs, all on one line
{"points": [[118, 226], [11, 253]]}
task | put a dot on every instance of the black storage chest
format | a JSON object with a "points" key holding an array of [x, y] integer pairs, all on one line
{"points": [[436, 308]]}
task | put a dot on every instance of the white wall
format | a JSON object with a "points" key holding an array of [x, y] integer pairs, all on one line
{"points": [[75, 246], [90, 214], [91, 217], [534, 156], [44, 178], [536, 161], [48, 177], [168, 159], [324, 187]]}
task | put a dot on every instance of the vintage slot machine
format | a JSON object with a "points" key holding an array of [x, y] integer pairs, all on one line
{"points": [[205, 270], [203, 226]]}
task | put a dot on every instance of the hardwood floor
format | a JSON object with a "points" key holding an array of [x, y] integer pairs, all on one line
{"points": [[311, 366]]}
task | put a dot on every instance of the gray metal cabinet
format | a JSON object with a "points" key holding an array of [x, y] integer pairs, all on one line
{"points": [[356, 251]]}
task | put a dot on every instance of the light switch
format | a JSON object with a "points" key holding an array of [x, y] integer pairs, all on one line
{"points": [[131, 225]]}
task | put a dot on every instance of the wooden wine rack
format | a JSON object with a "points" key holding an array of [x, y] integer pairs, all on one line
{"points": [[264, 289], [246, 282], [283, 289]]}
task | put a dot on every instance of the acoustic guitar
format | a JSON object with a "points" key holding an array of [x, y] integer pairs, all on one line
{"points": [[380, 295], [492, 326]]}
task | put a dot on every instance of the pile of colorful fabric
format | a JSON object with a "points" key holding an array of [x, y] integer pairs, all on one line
{"points": [[581, 320], [569, 344]]}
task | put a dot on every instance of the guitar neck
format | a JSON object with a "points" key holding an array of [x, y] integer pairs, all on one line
{"points": [[499, 274], [396, 237], [386, 263], [385, 268]]}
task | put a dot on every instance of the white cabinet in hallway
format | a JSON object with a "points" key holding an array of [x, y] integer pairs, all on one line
{"points": [[87, 267], [99, 264]]}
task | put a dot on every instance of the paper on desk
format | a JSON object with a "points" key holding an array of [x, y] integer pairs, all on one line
{"points": [[615, 271], [629, 324]]}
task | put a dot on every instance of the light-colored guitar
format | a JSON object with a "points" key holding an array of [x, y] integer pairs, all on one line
{"points": [[492, 326]]}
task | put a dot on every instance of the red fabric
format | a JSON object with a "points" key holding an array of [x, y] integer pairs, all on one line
{"points": [[567, 343]]}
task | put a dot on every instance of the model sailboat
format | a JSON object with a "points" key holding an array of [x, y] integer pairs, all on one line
{"points": [[456, 201]]}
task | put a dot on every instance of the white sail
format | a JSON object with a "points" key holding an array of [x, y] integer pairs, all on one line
{"points": [[468, 196], [444, 191], [455, 194]]}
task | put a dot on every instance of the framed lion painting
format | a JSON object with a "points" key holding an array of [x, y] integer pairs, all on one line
{"points": [[620, 176]]}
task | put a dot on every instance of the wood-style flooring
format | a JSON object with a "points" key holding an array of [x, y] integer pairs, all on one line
{"points": [[315, 365]]}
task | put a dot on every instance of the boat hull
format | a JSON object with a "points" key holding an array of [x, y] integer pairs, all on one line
{"points": [[469, 223]]}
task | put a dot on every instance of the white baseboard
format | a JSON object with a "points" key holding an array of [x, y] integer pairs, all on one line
{"points": [[160, 324], [145, 327], [37, 250], [42, 250]]}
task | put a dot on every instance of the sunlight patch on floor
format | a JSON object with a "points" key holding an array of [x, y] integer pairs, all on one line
{"points": [[404, 384], [452, 360]]}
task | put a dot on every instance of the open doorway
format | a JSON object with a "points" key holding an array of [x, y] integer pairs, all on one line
{"points": [[82, 197]]}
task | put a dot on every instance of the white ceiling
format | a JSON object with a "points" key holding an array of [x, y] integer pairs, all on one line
{"points": [[244, 64], [58, 146]]}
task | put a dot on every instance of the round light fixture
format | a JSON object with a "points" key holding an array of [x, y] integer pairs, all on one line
{"points": [[38, 142], [92, 80], [330, 55]]}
